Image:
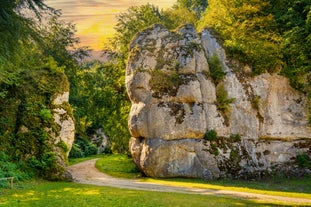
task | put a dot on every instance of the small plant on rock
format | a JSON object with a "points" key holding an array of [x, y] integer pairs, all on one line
{"points": [[235, 137], [215, 68], [211, 135], [303, 160]]}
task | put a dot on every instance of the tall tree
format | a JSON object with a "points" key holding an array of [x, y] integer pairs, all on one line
{"points": [[132, 21], [17, 32]]}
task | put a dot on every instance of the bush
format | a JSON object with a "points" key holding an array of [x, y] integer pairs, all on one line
{"points": [[82, 148], [76, 152], [9, 168], [211, 135], [215, 69], [235, 137], [303, 160]]}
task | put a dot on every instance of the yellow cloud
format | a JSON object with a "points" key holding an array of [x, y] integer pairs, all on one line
{"points": [[95, 19]]}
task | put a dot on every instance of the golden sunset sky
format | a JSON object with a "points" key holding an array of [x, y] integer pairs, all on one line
{"points": [[95, 19]]}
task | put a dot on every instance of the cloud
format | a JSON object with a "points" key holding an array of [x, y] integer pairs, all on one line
{"points": [[95, 19]]}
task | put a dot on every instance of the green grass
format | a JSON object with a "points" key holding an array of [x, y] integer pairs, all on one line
{"points": [[287, 188], [122, 166], [118, 165], [64, 194]]}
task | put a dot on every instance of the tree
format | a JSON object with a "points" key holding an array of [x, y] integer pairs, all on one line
{"points": [[17, 33], [294, 23], [135, 19], [100, 101], [196, 6], [249, 31]]}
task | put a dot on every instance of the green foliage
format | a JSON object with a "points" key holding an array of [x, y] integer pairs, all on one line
{"points": [[33, 57], [294, 22], [76, 151], [223, 102], [177, 16], [248, 30], [211, 135], [8, 168], [235, 137], [46, 115], [303, 160], [132, 21], [100, 101], [137, 18], [215, 69], [82, 148], [196, 6]]}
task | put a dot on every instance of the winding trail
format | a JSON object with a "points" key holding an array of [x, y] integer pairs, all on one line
{"points": [[87, 173]]}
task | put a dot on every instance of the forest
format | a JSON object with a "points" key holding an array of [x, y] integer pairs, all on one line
{"points": [[39, 56]]}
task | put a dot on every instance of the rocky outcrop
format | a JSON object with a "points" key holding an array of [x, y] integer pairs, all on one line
{"points": [[178, 96], [64, 137]]}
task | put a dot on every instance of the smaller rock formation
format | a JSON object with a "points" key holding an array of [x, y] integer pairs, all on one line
{"points": [[63, 139], [182, 87], [101, 141]]}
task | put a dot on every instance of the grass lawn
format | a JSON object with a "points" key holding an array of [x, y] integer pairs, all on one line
{"points": [[40, 193], [64, 194], [123, 166], [118, 165]]}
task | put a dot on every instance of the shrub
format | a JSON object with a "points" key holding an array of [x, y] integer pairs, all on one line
{"points": [[9, 168], [45, 114], [215, 69], [76, 152], [82, 148], [303, 160], [223, 102], [211, 135], [235, 137]]}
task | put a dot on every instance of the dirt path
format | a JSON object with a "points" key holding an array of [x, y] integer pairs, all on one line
{"points": [[87, 173]]}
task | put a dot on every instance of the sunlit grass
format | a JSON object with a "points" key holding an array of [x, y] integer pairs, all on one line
{"points": [[118, 165], [230, 186], [64, 194], [122, 166]]}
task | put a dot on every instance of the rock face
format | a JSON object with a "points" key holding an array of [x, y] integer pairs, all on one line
{"points": [[64, 138], [261, 122]]}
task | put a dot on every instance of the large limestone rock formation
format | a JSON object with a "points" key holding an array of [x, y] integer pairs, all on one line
{"points": [[261, 122]]}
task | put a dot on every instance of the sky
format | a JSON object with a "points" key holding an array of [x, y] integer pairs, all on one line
{"points": [[95, 19]]}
